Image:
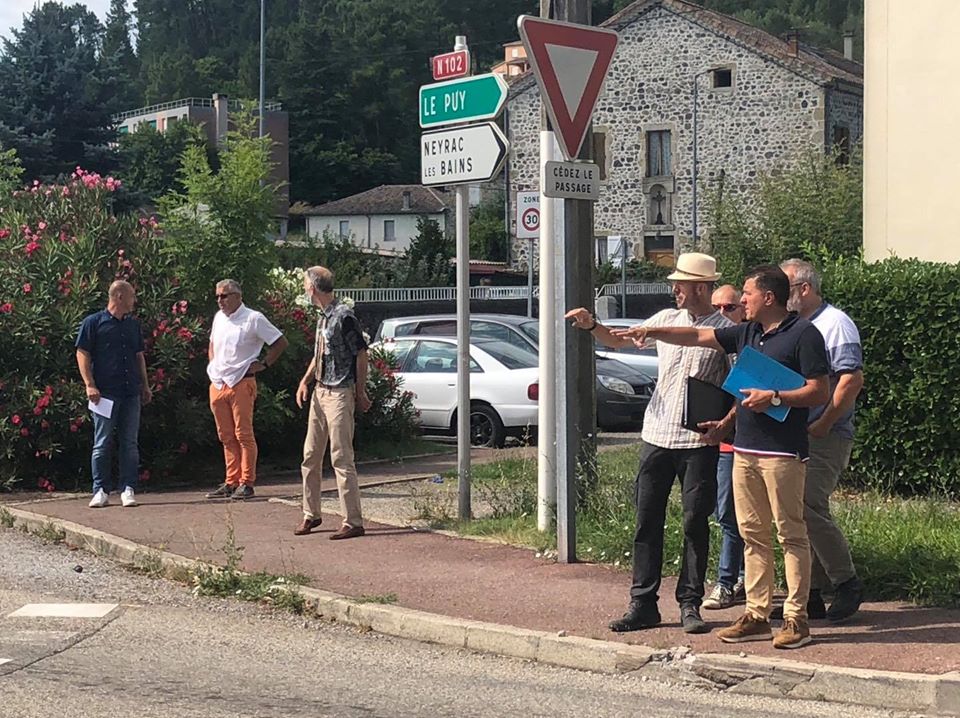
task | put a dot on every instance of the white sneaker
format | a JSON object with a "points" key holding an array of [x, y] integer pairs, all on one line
{"points": [[127, 498], [720, 597], [99, 500]]}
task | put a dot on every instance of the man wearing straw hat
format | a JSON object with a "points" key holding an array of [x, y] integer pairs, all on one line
{"points": [[670, 451]]}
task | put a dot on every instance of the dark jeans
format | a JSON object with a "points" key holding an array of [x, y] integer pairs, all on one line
{"points": [[697, 471], [730, 568], [125, 423]]}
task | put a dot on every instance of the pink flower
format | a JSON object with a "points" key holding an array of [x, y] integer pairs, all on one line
{"points": [[4, 233], [15, 420], [31, 248], [185, 334], [27, 288], [66, 192], [6, 308], [41, 225], [74, 428]]}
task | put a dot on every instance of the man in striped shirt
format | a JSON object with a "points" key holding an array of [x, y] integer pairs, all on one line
{"points": [[669, 451]]}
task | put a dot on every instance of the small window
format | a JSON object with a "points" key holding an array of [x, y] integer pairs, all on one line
{"points": [[437, 358], [123, 130], [389, 231], [658, 153], [344, 228], [722, 77], [172, 120], [841, 144], [440, 328], [603, 250], [152, 123]]}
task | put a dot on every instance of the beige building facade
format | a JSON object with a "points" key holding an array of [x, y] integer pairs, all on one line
{"points": [[911, 139]]}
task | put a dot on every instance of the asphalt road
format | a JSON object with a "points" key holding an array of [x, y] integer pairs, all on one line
{"points": [[162, 652]]}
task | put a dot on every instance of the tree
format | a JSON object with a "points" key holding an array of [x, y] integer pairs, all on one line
{"points": [[119, 60], [55, 99], [488, 236], [427, 261], [149, 161], [218, 224]]}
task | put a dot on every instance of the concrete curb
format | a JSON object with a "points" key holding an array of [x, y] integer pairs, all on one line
{"points": [[929, 694]]}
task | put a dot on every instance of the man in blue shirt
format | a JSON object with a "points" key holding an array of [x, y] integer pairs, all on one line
{"points": [[110, 357]]}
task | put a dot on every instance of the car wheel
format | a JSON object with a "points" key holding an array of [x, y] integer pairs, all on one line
{"points": [[486, 429]]}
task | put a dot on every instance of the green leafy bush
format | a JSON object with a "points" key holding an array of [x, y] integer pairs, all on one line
{"points": [[908, 418], [60, 247]]}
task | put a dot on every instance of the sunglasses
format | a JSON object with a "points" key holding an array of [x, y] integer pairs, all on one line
{"points": [[726, 307], [224, 296]]}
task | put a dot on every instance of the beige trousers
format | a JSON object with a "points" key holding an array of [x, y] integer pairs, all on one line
{"points": [[331, 419], [769, 489]]}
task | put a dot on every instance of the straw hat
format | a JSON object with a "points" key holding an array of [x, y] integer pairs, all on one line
{"points": [[695, 267]]}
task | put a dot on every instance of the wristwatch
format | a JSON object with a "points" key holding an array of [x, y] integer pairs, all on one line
{"points": [[776, 400]]}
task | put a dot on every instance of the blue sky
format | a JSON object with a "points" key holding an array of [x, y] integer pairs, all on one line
{"points": [[12, 12]]}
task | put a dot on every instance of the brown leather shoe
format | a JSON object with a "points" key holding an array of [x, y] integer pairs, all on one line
{"points": [[306, 526], [346, 532]]}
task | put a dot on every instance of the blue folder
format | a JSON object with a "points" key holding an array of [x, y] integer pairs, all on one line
{"points": [[755, 370]]}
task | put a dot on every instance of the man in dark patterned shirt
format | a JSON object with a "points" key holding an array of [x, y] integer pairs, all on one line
{"points": [[339, 370]]}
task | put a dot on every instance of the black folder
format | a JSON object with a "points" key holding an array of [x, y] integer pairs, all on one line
{"points": [[704, 402]]}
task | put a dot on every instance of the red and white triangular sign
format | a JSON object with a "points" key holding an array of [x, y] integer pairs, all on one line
{"points": [[570, 63]]}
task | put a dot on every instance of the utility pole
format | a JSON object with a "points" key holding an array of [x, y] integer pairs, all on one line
{"points": [[573, 266], [263, 62]]}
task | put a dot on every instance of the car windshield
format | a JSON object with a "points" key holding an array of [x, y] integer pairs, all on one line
{"points": [[512, 357]]}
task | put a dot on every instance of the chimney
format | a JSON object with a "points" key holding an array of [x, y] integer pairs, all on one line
{"points": [[793, 42], [406, 200], [848, 45], [220, 115]]}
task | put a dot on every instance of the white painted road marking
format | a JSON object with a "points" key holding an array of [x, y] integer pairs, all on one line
{"points": [[63, 610]]}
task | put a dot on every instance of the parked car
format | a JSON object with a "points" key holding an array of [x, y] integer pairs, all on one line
{"points": [[622, 392], [644, 360], [503, 386]]}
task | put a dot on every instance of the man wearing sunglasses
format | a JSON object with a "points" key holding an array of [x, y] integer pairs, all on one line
{"points": [[831, 442], [729, 587], [236, 340]]}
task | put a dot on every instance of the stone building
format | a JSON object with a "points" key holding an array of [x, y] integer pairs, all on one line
{"points": [[763, 102]]}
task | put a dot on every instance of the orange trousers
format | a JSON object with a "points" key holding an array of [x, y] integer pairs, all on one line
{"points": [[233, 411]]}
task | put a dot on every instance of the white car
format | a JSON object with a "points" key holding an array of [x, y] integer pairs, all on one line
{"points": [[503, 386], [644, 360]]}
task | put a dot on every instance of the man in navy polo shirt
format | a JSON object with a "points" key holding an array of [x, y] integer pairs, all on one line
{"points": [[769, 467], [110, 357]]}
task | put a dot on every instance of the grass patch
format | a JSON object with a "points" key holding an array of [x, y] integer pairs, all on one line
{"points": [[230, 582], [382, 598], [6, 519], [50, 533], [147, 563], [904, 549]]}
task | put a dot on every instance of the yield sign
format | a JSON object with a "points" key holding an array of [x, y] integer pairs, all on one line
{"points": [[570, 63]]}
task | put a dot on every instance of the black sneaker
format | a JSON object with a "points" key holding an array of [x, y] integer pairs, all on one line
{"points": [[846, 600], [637, 617], [691, 620], [223, 491], [816, 608], [242, 492]]}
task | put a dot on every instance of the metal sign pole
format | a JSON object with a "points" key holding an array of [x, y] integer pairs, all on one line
{"points": [[463, 340]]}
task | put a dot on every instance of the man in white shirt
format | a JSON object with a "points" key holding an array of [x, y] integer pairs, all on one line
{"points": [[236, 340]]}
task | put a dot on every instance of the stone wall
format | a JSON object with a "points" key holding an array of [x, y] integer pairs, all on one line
{"points": [[770, 116]]}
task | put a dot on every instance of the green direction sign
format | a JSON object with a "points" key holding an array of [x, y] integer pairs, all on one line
{"points": [[467, 99]]}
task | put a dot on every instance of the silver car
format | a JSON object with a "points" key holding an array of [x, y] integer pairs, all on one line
{"points": [[644, 360]]}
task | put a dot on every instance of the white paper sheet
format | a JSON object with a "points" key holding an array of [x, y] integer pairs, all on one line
{"points": [[104, 407]]}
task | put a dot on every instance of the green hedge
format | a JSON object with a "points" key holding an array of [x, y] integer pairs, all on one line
{"points": [[908, 418]]}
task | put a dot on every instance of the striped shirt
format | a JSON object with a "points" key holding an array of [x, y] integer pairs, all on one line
{"points": [[662, 421]]}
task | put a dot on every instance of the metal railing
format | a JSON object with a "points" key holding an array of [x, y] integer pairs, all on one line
{"points": [[432, 294], [190, 102], [442, 294], [608, 290]]}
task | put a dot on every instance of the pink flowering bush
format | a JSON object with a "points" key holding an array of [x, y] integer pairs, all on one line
{"points": [[60, 247]]}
